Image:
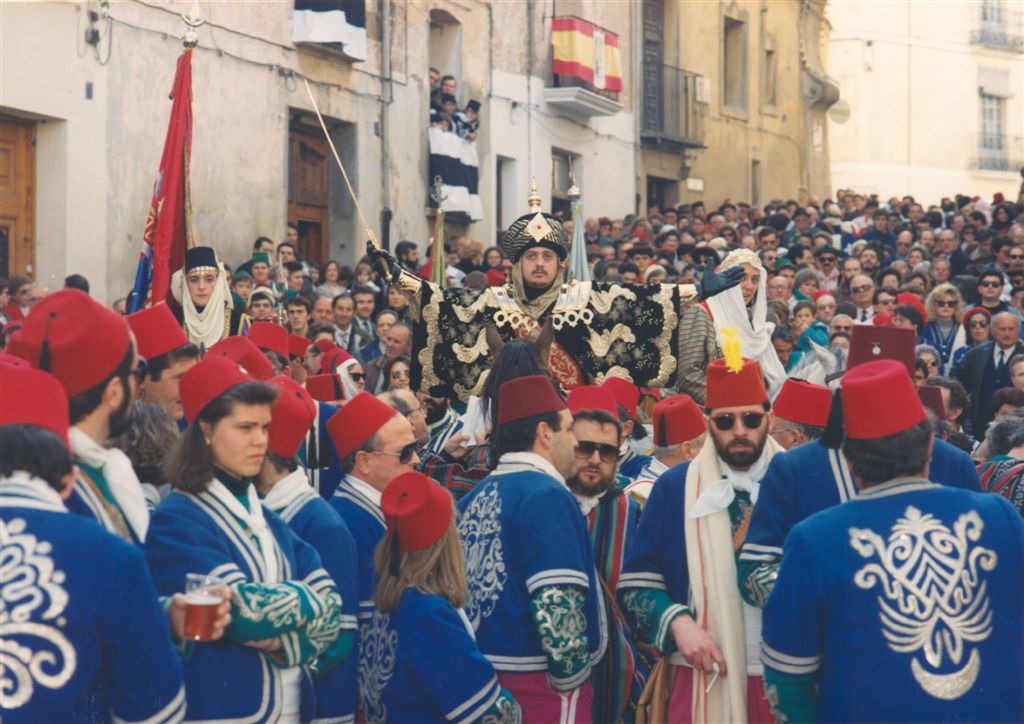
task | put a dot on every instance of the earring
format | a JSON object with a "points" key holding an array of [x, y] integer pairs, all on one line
{"points": [[207, 440]]}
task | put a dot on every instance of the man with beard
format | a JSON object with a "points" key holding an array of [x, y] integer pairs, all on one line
{"points": [[60, 337], [611, 518], [658, 332], [679, 586]]}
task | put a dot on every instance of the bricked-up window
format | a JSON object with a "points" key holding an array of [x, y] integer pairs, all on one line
{"points": [[734, 71], [769, 74]]}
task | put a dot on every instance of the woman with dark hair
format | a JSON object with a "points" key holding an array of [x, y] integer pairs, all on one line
{"points": [[147, 440], [909, 316], [330, 284], [285, 609], [419, 659], [977, 321], [396, 374], [492, 259]]}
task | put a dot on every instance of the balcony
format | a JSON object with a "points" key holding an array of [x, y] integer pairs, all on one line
{"points": [[672, 116], [998, 153], [998, 27]]}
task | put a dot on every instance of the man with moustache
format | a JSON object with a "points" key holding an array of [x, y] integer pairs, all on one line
{"points": [[168, 354], [679, 585], [611, 518]]}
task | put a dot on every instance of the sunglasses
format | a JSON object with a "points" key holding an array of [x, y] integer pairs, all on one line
{"points": [[1017, 257], [404, 455], [978, 325], [886, 302], [398, 374], [726, 421], [861, 288], [947, 303], [586, 448], [140, 368], [357, 376], [991, 285], [826, 259]]}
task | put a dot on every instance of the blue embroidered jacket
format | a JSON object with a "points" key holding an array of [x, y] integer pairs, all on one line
{"points": [[318, 524], [198, 534], [83, 635], [808, 479], [421, 664], [323, 466], [903, 604], [365, 522], [522, 531]]}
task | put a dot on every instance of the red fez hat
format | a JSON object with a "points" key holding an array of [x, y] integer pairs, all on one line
{"points": [[291, 416], [676, 420], [327, 362], [495, 277], [822, 293], [803, 402], [207, 380], [417, 511], [624, 392], [10, 359], [325, 345], [870, 344], [882, 320], [33, 397], [931, 397], [527, 397], [727, 388], [73, 336], [914, 301], [156, 331], [297, 346], [590, 397], [357, 421], [242, 351], [865, 415], [267, 335], [324, 388]]}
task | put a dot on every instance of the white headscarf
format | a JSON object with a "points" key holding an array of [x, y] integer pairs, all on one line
{"points": [[729, 310], [348, 386], [205, 328]]}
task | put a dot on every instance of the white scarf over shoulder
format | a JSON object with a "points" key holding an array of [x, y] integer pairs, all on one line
{"points": [[120, 476]]}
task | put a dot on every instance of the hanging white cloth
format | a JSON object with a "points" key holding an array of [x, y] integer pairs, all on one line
{"points": [[120, 476], [729, 310]]}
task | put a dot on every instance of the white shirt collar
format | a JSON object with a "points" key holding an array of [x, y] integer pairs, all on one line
{"points": [[365, 488], [515, 462]]}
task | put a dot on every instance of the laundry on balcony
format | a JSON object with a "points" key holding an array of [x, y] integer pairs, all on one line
{"points": [[454, 159]]}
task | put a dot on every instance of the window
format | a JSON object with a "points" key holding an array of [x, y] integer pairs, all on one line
{"points": [[992, 146], [563, 165], [505, 195], [734, 74], [755, 182], [769, 74]]}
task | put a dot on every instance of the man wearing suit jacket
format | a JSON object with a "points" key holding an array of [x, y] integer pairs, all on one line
{"points": [[349, 336], [986, 368]]}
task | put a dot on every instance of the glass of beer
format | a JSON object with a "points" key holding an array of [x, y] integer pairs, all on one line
{"points": [[202, 598]]}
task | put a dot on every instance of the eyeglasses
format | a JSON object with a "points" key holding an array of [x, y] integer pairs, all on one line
{"points": [[931, 363], [1017, 257], [404, 456], [826, 259], [978, 325], [586, 448], [726, 421], [991, 285], [357, 376], [861, 288], [947, 303], [886, 302], [399, 374]]}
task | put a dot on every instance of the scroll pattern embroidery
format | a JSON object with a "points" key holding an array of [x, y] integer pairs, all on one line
{"points": [[33, 649], [378, 647], [486, 572], [933, 600]]}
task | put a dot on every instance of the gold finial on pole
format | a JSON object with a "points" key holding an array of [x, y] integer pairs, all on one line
{"points": [[534, 199], [193, 21]]}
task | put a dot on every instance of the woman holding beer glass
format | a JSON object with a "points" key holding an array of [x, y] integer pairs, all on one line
{"points": [[285, 609]]}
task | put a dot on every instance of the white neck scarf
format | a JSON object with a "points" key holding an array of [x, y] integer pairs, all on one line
{"points": [[515, 462], [347, 385], [206, 327], [254, 521], [286, 489], [120, 476], [729, 310], [720, 494]]}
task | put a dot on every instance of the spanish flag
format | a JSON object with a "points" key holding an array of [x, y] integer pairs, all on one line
{"points": [[586, 52]]}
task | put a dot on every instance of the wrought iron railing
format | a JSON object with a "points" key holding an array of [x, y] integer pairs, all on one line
{"points": [[670, 107]]}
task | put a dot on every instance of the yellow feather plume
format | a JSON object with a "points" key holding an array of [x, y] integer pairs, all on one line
{"points": [[731, 348]]}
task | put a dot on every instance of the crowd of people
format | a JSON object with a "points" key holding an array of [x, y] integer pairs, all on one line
{"points": [[767, 460], [444, 111]]}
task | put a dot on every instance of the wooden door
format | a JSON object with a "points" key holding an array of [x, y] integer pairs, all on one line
{"points": [[17, 197], [308, 193]]}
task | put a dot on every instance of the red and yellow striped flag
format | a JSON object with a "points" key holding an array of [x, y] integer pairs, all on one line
{"points": [[586, 52]]}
